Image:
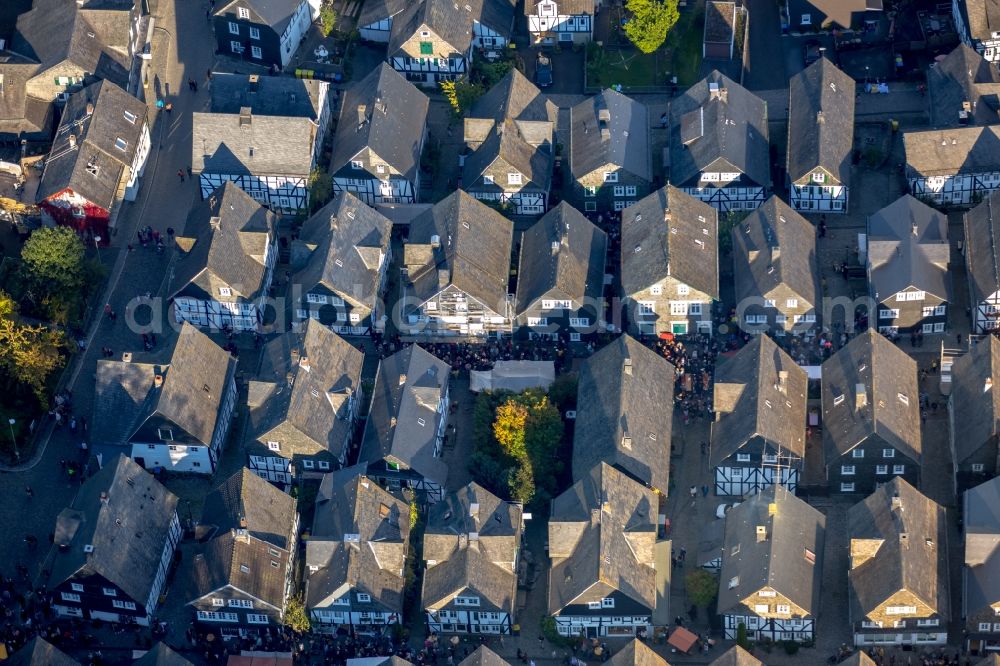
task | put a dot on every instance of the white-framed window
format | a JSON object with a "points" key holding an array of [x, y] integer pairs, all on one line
{"points": [[888, 453], [886, 313], [594, 605], [225, 292], [308, 464], [354, 317], [694, 309], [607, 602], [240, 603], [579, 322], [710, 176], [205, 616], [939, 311], [323, 464], [466, 601], [847, 470], [124, 605], [927, 311], [316, 298], [783, 609], [513, 178], [610, 176], [678, 308], [619, 190], [761, 608], [858, 453], [769, 457], [819, 177], [255, 52], [357, 164], [556, 304], [364, 598], [256, 618], [792, 303], [899, 469], [254, 33], [683, 290], [978, 467], [620, 205], [742, 457], [590, 191], [165, 434], [69, 596], [274, 446], [218, 602], [109, 591], [910, 296], [728, 176], [900, 610], [766, 593], [656, 290], [301, 314], [234, 28], [881, 469], [76, 587], [939, 327], [984, 626], [928, 623], [847, 487], [538, 321], [927, 328], [806, 19], [769, 303], [243, 12]]}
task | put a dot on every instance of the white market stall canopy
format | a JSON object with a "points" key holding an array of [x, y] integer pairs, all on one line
{"points": [[513, 376]]}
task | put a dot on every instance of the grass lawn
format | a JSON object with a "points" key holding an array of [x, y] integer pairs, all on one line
{"points": [[624, 66], [685, 44]]}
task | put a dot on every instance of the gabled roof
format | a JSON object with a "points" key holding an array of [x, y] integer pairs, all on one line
{"points": [[787, 558], [232, 236], [820, 122], [474, 537], [670, 234], [859, 658], [359, 541], [483, 656], [507, 143], [888, 404], [982, 256], [94, 145], [774, 248], [759, 392], [946, 152], [514, 97], [975, 401], [472, 252], [246, 143], [839, 12], [237, 562], [269, 95], [452, 24], [373, 11], [350, 241], [736, 656], [717, 124], [602, 539], [403, 421], [125, 515], [622, 413], [303, 392], [395, 112], [908, 248], [907, 548], [39, 652], [981, 526], [245, 501], [562, 254], [982, 18], [20, 113], [161, 655], [636, 653], [194, 382], [624, 146], [963, 76], [275, 13]]}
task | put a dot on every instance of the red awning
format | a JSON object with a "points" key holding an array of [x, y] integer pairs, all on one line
{"points": [[682, 639]]}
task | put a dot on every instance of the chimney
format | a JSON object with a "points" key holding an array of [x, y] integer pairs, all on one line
{"points": [[402, 379], [245, 116], [157, 381], [435, 241], [897, 503], [474, 510], [772, 509], [605, 133], [304, 363], [914, 228], [775, 253], [988, 384], [362, 114], [90, 108], [104, 497], [254, 82], [628, 367], [72, 141], [215, 222], [783, 380], [860, 397], [761, 533], [555, 247], [819, 118]]}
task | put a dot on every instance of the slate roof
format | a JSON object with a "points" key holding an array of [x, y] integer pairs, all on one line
{"points": [[126, 396], [303, 392], [350, 241], [946, 152], [820, 122], [624, 414], [230, 560], [474, 537], [774, 248], [839, 12], [247, 143], [483, 656], [232, 236], [20, 113], [39, 652], [94, 168], [975, 402], [777, 562], [473, 252], [276, 13], [736, 656], [507, 143], [571, 7], [627, 147], [453, 25], [719, 21], [517, 98], [408, 389], [963, 76], [982, 18], [636, 653], [752, 399], [245, 501], [269, 95], [981, 526], [652, 251], [575, 270], [885, 373], [903, 560], [908, 248], [396, 116], [161, 655], [602, 538], [373, 11], [982, 256], [128, 531], [718, 132], [349, 504]]}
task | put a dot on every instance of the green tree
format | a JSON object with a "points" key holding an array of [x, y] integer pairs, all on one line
{"points": [[460, 95], [296, 617], [509, 429], [702, 587], [522, 483], [54, 260], [327, 17], [29, 354], [320, 188], [650, 22]]}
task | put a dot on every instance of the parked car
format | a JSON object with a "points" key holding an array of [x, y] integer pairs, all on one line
{"points": [[543, 71]]}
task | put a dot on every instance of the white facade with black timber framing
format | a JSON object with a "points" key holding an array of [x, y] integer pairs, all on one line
{"points": [[953, 167], [289, 193], [821, 194], [736, 481], [770, 628], [374, 191]]}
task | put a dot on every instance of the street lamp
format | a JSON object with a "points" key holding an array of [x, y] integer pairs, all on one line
{"points": [[97, 239], [17, 454]]}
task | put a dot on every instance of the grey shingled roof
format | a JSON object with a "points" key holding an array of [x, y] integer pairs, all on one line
{"points": [[774, 247], [39, 652], [508, 144], [516, 98], [602, 539], [959, 150], [753, 399], [269, 95], [262, 145], [975, 401], [408, 389], [911, 534], [982, 256], [483, 656], [626, 148], [574, 271], [625, 390], [963, 76], [732, 134], [349, 503], [982, 18], [246, 501], [636, 653], [232, 234], [220, 563], [350, 241], [839, 12], [303, 392], [778, 561], [450, 23], [95, 167], [908, 247], [820, 122], [373, 11], [161, 655], [276, 13], [125, 394], [473, 253], [19, 112], [661, 239], [736, 656], [125, 514], [396, 116], [981, 526], [885, 372]]}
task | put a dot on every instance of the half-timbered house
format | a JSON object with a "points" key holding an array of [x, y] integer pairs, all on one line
{"points": [[981, 570], [609, 574], [303, 404], [471, 548], [718, 144], [898, 582], [974, 413], [230, 247], [908, 254], [560, 284], [619, 415], [670, 263], [772, 568], [263, 32], [560, 22], [977, 23], [174, 415], [457, 261], [982, 263], [380, 137], [97, 573], [356, 555], [953, 167], [375, 19], [820, 138], [758, 437], [871, 415], [404, 436], [962, 88], [609, 152]]}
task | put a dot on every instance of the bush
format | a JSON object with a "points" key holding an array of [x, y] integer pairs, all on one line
{"points": [[552, 635], [702, 587], [791, 647], [741, 637]]}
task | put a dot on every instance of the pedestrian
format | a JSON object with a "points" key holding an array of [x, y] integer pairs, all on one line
{"points": [[684, 553], [822, 228], [159, 104], [693, 492], [704, 491], [180, 174], [189, 171], [29, 492], [169, 107]]}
